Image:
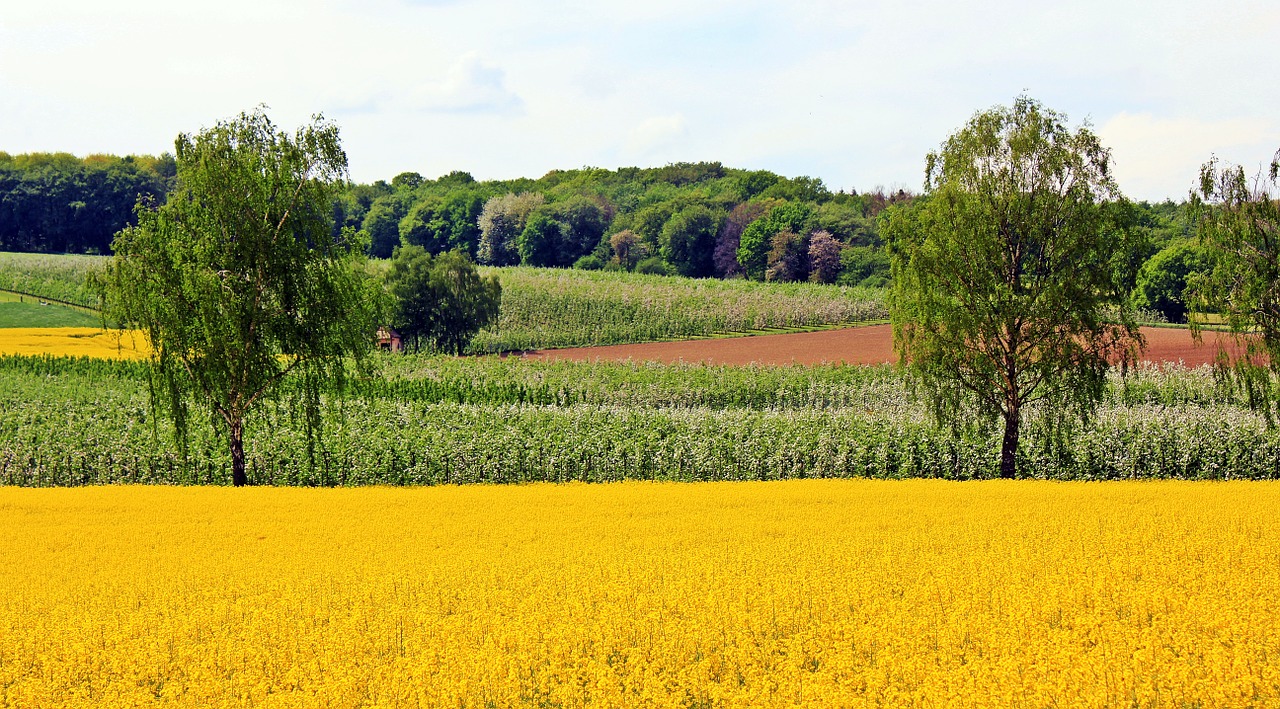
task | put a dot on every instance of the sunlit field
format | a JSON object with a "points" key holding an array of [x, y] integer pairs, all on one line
{"points": [[71, 341], [804, 593]]}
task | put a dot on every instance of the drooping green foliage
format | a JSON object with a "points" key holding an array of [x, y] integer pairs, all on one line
{"points": [[1238, 220], [237, 280], [441, 302], [1011, 277]]}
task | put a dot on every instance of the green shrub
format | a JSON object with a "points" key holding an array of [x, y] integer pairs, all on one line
{"points": [[653, 266], [1163, 279]]}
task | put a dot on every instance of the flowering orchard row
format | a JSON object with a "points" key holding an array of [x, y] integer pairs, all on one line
{"points": [[74, 422], [565, 308]]}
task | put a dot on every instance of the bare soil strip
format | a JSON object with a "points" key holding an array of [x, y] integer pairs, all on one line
{"points": [[856, 345]]}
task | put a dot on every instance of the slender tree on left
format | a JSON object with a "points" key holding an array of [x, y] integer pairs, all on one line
{"points": [[238, 281]]}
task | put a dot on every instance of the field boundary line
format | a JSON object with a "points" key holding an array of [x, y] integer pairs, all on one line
{"points": [[54, 301]]}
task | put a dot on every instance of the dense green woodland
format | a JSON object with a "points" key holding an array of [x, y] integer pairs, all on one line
{"points": [[691, 219], [58, 203]]}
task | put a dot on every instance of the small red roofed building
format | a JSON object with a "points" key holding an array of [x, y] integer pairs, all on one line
{"points": [[389, 340]]}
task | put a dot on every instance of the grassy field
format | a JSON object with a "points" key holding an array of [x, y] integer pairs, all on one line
{"points": [[35, 315], [806, 593]]}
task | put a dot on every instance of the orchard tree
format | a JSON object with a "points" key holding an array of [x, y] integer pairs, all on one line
{"points": [[824, 257], [1238, 220], [1011, 276], [237, 280]]}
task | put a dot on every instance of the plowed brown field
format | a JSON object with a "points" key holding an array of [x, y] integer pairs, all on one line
{"points": [[856, 345]]}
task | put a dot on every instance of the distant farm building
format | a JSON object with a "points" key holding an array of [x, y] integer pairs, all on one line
{"points": [[389, 340]]}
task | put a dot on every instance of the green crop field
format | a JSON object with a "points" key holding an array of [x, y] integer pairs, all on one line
{"points": [[566, 308], [430, 420], [58, 276]]}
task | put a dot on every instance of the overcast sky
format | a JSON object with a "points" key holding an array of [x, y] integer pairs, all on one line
{"points": [[855, 93]]}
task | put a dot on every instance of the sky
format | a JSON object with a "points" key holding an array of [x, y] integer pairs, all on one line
{"points": [[854, 93]]}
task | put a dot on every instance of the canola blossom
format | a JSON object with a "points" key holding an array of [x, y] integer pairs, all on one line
{"points": [[72, 342], [797, 593]]}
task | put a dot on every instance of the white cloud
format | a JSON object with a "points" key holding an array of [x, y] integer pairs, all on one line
{"points": [[656, 135], [469, 86], [1159, 157]]}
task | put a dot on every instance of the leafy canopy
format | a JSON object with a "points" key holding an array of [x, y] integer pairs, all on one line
{"points": [[1238, 220], [1010, 276], [1163, 279], [237, 280], [440, 302]]}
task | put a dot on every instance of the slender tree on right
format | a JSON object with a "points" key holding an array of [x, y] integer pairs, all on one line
{"points": [[1238, 220], [1011, 276]]}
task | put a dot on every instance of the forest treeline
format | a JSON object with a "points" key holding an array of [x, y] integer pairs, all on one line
{"points": [[59, 203], [692, 219]]}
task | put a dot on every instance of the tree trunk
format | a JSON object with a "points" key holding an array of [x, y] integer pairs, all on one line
{"points": [[1009, 449], [236, 431]]}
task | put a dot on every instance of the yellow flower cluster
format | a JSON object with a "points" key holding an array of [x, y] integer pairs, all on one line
{"points": [[803, 593], [73, 342]]}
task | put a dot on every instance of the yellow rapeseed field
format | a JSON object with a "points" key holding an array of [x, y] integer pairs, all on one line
{"points": [[804, 593], [72, 341]]}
